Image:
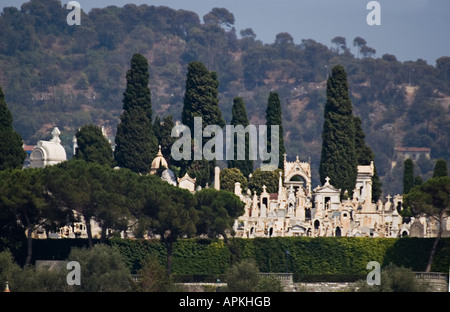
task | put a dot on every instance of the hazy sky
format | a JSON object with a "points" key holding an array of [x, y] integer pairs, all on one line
{"points": [[410, 29]]}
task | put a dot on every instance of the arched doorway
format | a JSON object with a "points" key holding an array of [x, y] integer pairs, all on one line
{"points": [[316, 224], [338, 232]]}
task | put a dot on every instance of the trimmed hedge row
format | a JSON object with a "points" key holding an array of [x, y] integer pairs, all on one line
{"points": [[299, 255]]}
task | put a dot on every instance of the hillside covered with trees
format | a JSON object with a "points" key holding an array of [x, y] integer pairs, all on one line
{"points": [[54, 74]]}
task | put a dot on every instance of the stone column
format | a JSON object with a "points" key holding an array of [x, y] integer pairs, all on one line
{"points": [[217, 178]]}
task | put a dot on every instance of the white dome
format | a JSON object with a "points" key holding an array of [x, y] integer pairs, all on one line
{"points": [[48, 152]]}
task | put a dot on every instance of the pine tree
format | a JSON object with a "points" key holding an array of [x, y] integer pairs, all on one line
{"points": [[408, 176], [273, 118], [93, 146], [338, 158], [239, 117], [201, 100], [136, 144], [440, 169], [12, 154], [365, 156]]}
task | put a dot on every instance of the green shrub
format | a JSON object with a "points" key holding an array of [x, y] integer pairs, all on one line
{"points": [[306, 255]]}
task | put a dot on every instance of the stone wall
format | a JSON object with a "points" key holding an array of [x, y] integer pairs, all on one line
{"points": [[434, 285]]}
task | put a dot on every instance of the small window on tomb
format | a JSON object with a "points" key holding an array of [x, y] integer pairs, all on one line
{"points": [[316, 224], [327, 202], [307, 214]]}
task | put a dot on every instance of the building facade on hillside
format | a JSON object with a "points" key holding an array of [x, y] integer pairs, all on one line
{"points": [[414, 153]]}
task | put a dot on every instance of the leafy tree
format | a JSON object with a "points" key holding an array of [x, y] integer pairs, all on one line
{"points": [[376, 186], [229, 176], [365, 156], [152, 275], [269, 283], [201, 100], [93, 191], [201, 97], [284, 38], [243, 277], [268, 178], [273, 118], [394, 279], [136, 144], [12, 154], [102, 269], [112, 199], [219, 16], [239, 117], [24, 195], [172, 215], [166, 141], [338, 158], [93, 146], [217, 212], [359, 43], [408, 175], [340, 43], [440, 169], [29, 278], [12, 234], [431, 198], [157, 128], [367, 51]]}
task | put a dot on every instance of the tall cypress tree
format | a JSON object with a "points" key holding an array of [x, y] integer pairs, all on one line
{"points": [[166, 139], [239, 117], [440, 169], [136, 144], [273, 117], [338, 158], [93, 146], [201, 99], [12, 154], [408, 176], [365, 156]]}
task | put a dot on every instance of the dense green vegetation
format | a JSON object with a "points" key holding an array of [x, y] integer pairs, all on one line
{"points": [[338, 158], [242, 159], [136, 143], [73, 77], [117, 199], [307, 256], [12, 154], [69, 76]]}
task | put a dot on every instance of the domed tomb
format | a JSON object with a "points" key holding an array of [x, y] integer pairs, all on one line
{"points": [[47, 153]]}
